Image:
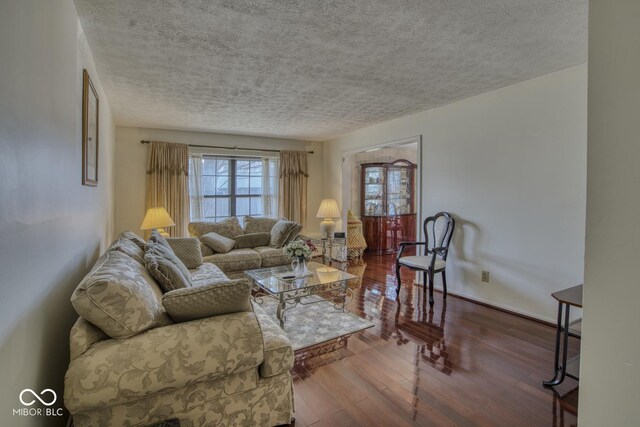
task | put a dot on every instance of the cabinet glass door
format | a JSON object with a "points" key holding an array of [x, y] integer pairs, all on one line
{"points": [[399, 192], [374, 182]]}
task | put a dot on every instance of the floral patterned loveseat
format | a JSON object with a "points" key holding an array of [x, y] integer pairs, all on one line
{"points": [[248, 252], [140, 368]]}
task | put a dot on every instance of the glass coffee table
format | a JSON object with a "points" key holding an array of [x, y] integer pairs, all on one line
{"points": [[322, 280]]}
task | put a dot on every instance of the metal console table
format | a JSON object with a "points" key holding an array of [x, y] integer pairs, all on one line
{"points": [[567, 298]]}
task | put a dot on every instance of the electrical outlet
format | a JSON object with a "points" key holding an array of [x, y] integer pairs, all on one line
{"points": [[485, 276]]}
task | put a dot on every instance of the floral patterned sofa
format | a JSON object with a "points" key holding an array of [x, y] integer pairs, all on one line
{"points": [[139, 368]]}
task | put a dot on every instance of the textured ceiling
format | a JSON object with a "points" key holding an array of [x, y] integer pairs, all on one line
{"points": [[316, 69]]}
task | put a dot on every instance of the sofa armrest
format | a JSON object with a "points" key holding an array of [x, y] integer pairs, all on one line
{"points": [[278, 353], [162, 359], [82, 336]]}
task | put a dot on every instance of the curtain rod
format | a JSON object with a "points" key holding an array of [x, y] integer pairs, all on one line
{"points": [[228, 148]]}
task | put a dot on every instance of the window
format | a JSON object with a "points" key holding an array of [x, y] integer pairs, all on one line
{"points": [[232, 187]]}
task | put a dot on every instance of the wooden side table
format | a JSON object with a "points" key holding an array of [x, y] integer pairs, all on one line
{"points": [[567, 298]]}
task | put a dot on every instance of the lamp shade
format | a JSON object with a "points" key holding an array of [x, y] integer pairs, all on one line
{"points": [[328, 209], [156, 218]]}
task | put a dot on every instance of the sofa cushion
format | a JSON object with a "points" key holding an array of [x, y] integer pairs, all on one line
{"points": [[272, 256], [228, 227], [187, 249], [237, 259], [166, 268], [120, 297], [254, 224], [218, 243], [139, 241], [252, 240], [214, 299], [278, 353], [127, 247], [280, 232], [207, 273]]}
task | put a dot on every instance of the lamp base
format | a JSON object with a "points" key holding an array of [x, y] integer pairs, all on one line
{"points": [[327, 227]]}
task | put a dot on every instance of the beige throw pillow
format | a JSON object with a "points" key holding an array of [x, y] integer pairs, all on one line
{"points": [[166, 268], [161, 244], [155, 237], [213, 299], [253, 240], [120, 297], [139, 241], [295, 232], [217, 242], [128, 247], [280, 233], [187, 249], [205, 250]]}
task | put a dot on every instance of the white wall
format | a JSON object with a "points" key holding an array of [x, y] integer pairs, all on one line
{"points": [[610, 368], [52, 227], [511, 166], [131, 157]]}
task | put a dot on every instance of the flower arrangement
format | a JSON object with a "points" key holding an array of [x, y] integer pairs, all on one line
{"points": [[299, 249]]}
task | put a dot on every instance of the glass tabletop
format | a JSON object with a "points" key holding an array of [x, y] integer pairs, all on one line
{"points": [[321, 275]]}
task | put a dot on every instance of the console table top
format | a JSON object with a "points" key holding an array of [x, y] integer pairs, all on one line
{"points": [[571, 296]]}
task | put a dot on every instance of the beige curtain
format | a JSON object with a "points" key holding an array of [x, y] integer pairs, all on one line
{"points": [[293, 185], [270, 188], [196, 197], [167, 182]]}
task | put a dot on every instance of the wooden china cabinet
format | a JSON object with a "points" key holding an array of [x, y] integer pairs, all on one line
{"points": [[387, 206]]}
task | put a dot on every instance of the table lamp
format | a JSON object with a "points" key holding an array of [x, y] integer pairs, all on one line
{"points": [[157, 219], [328, 210]]}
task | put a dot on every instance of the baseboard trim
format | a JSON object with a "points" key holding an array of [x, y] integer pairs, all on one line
{"points": [[504, 310], [495, 307]]}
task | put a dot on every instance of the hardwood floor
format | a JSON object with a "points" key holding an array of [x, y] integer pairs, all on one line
{"points": [[460, 364]]}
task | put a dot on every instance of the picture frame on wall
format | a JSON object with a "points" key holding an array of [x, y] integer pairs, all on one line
{"points": [[89, 131]]}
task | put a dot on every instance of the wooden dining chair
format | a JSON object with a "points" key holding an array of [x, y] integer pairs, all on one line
{"points": [[438, 230]]}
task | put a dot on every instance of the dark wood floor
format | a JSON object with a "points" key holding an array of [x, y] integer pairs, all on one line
{"points": [[460, 364]]}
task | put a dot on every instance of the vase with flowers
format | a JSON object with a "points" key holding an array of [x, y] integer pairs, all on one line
{"points": [[300, 251]]}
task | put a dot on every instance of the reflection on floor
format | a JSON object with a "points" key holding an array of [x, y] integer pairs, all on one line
{"points": [[456, 364], [565, 405]]}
